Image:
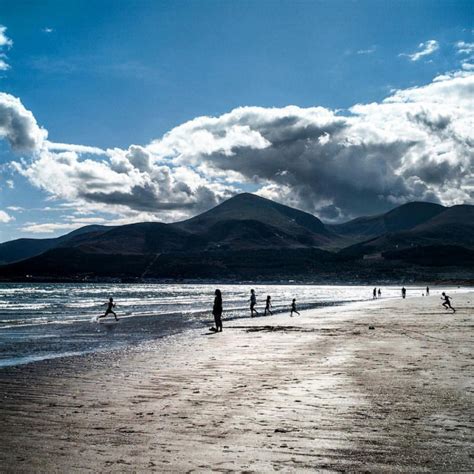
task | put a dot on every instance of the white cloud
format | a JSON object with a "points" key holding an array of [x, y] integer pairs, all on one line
{"points": [[47, 228], [52, 146], [18, 125], [424, 49], [417, 144], [10, 184], [5, 218], [5, 43], [15, 208], [367, 51], [46, 29], [464, 48], [4, 66], [82, 221]]}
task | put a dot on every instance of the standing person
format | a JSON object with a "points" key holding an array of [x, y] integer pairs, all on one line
{"points": [[427, 291], [293, 308], [380, 293], [447, 302], [404, 292], [217, 310], [374, 293], [253, 302], [268, 305], [110, 305]]}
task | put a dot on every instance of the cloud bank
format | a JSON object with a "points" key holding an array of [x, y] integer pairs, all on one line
{"points": [[417, 144]]}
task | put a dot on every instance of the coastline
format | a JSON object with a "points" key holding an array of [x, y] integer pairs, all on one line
{"points": [[43, 321], [320, 391]]}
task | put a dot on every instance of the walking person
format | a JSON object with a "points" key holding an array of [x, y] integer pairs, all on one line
{"points": [[217, 310], [293, 308], [380, 293], [447, 301], [427, 291], [253, 302], [374, 293], [404, 292], [268, 306]]}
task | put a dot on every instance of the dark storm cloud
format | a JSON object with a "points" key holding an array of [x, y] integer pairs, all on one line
{"points": [[147, 198], [357, 178], [415, 145]]}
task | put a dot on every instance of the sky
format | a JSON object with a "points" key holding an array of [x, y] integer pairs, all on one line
{"points": [[114, 112]]}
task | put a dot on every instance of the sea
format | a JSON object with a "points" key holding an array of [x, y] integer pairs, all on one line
{"points": [[46, 321]]}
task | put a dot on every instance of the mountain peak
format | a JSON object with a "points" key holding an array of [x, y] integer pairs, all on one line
{"points": [[410, 215], [246, 198], [251, 207]]}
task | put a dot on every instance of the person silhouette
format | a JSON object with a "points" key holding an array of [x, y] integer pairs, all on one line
{"points": [[110, 305], [217, 310], [427, 291], [268, 306], [374, 293], [293, 308], [447, 301], [253, 302], [379, 293], [404, 292]]}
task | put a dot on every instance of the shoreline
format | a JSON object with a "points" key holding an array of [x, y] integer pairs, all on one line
{"points": [[320, 391], [157, 340], [134, 322]]}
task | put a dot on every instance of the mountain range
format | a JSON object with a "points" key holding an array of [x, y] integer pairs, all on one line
{"points": [[249, 236]]}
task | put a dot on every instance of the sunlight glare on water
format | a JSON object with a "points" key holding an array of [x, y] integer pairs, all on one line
{"points": [[40, 321]]}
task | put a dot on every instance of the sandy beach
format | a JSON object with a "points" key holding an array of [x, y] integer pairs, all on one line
{"points": [[316, 392]]}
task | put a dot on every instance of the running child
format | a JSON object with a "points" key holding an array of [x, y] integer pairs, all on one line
{"points": [[447, 302], [109, 310], [293, 308]]}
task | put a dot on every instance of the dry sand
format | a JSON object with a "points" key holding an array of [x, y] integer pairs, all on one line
{"points": [[318, 392]]}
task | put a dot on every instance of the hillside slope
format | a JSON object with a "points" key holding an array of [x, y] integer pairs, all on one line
{"points": [[20, 249], [405, 217], [453, 226]]}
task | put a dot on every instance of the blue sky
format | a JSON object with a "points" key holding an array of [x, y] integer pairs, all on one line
{"points": [[111, 74]]}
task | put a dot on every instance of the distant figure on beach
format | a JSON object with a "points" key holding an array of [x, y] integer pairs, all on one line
{"points": [[110, 305], [374, 293], [404, 292], [217, 310], [447, 301], [427, 291], [268, 306], [380, 293], [253, 302], [293, 308]]}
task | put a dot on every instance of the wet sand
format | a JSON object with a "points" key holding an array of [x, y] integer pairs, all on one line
{"points": [[320, 391]]}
